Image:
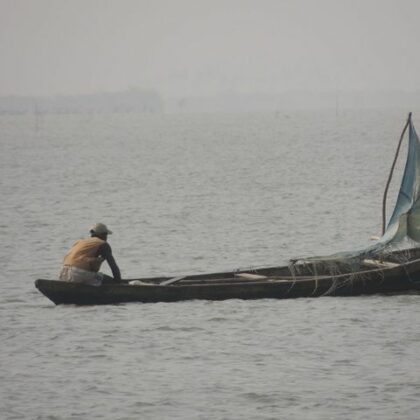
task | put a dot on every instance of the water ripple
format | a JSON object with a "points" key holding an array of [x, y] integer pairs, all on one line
{"points": [[195, 194]]}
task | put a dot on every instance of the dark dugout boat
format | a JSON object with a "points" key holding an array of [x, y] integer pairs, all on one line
{"points": [[372, 276], [392, 265]]}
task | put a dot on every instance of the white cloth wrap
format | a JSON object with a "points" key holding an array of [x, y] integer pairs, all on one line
{"points": [[78, 275]]}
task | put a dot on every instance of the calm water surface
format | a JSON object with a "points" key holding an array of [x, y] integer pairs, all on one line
{"points": [[199, 193]]}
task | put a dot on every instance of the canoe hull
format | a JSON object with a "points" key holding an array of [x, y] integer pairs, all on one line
{"points": [[399, 279]]}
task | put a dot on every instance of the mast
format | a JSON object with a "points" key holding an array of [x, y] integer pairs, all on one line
{"points": [[391, 172]]}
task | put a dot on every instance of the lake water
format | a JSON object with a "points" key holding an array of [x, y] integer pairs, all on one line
{"points": [[200, 193]]}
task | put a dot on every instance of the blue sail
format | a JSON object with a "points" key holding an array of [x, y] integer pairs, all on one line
{"points": [[403, 229], [404, 224]]}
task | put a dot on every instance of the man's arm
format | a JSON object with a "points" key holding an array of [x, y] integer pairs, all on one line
{"points": [[106, 252]]}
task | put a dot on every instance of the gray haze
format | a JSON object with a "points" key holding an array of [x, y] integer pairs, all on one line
{"points": [[187, 48]]}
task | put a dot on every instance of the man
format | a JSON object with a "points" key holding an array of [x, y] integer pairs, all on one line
{"points": [[81, 264]]}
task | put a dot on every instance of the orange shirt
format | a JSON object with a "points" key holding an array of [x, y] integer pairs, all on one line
{"points": [[83, 254]]}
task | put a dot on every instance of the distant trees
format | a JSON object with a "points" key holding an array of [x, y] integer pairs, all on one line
{"points": [[133, 100]]}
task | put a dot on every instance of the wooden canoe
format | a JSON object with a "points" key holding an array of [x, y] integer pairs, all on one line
{"points": [[373, 277]]}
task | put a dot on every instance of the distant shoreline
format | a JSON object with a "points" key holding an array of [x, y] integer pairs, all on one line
{"points": [[149, 101]]}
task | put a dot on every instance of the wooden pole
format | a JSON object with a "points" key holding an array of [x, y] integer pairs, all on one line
{"points": [[391, 172]]}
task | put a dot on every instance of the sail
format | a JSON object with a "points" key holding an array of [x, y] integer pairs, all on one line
{"points": [[404, 224], [402, 232]]}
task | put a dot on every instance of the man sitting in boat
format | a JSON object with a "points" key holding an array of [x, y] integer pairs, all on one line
{"points": [[81, 264]]}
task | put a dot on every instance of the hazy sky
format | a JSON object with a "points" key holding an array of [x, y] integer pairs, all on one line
{"points": [[187, 47]]}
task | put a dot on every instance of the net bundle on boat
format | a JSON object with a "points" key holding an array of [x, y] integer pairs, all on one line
{"points": [[400, 241]]}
